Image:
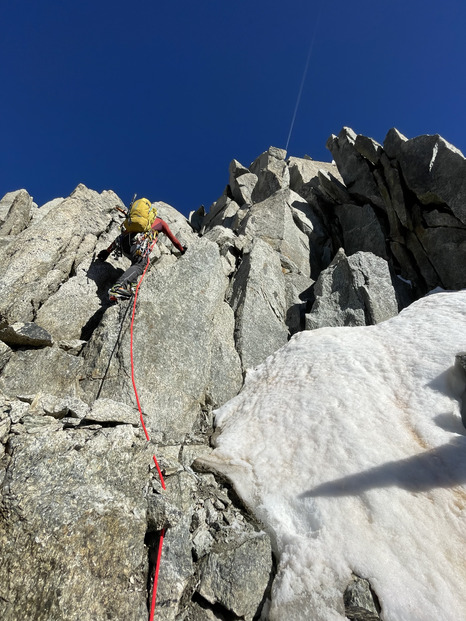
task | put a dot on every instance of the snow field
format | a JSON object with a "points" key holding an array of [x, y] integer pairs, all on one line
{"points": [[348, 445]]}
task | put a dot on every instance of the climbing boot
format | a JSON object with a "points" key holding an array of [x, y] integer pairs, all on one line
{"points": [[118, 292]]}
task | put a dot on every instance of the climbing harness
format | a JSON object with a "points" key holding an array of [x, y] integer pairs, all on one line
{"points": [[145, 242]]}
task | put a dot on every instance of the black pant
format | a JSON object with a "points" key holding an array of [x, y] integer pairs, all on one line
{"points": [[138, 262]]}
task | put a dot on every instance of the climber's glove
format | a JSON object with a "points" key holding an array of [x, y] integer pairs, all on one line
{"points": [[103, 255]]}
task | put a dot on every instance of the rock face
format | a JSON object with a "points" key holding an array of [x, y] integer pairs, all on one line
{"points": [[416, 188], [291, 244], [354, 291]]}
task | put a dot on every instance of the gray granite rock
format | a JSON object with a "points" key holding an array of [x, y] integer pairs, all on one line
{"points": [[435, 171], [393, 142], [243, 188], [298, 294], [304, 174], [272, 221], [26, 335], [43, 256], [179, 318], [222, 213], [353, 291], [196, 218], [234, 578], [242, 182], [258, 299], [361, 603], [369, 148], [272, 174], [82, 503], [15, 208], [355, 169], [460, 363], [361, 230], [37, 213], [333, 188], [48, 370], [69, 518]]}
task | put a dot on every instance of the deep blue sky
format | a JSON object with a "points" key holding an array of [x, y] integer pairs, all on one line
{"points": [[157, 98]]}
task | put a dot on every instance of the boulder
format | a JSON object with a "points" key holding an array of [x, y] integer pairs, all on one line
{"points": [[72, 530], [37, 213], [372, 280], [15, 208], [368, 148], [237, 578], [258, 298], [43, 404], [235, 170], [361, 229], [230, 246], [48, 370], [354, 168], [353, 291], [298, 294], [222, 213], [333, 190], [272, 221], [26, 335], [435, 171], [241, 182], [304, 174], [242, 188], [196, 218], [361, 603], [110, 411], [272, 174], [309, 220], [43, 256]]}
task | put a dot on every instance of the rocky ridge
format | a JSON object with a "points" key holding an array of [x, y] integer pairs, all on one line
{"points": [[291, 244]]}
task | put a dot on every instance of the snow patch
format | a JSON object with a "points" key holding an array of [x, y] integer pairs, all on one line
{"points": [[348, 445], [434, 156]]}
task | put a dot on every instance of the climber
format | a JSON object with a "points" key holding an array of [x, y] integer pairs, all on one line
{"points": [[139, 230]]}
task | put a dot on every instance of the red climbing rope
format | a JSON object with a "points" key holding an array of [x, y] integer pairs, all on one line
{"points": [[159, 553], [132, 363], [156, 576]]}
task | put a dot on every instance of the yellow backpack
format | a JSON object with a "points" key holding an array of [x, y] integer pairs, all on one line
{"points": [[140, 217]]}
